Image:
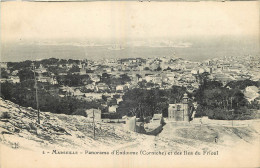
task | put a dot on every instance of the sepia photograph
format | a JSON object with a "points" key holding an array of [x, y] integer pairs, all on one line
{"points": [[129, 84]]}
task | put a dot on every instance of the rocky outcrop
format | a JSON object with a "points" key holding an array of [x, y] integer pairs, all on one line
{"points": [[19, 124]]}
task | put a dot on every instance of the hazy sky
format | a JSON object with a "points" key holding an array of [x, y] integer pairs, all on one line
{"points": [[192, 30], [21, 21]]}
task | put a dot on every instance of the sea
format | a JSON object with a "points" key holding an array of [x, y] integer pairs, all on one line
{"points": [[195, 52]]}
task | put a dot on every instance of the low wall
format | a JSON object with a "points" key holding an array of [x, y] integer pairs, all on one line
{"points": [[156, 131], [235, 123], [140, 128]]}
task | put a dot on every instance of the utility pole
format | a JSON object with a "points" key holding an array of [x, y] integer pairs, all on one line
{"points": [[231, 103], [94, 123], [36, 95]]}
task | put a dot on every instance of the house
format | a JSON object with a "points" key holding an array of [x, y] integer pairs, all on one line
{"points": [[107, 70], [77, 92], [153, 78], [121, 88], [11, 79], [90, 86], [112, 109], [101, 87], [83, 71], [68, 91], [46, 79], [15, 72], [3, 65], [95, 78], [119, 100], [69, 66], [148, 78], [3, 80], [62, 73], [111, 62], [82, 65], [180, 111], [14, 79], [157, 117], [41, 69]]}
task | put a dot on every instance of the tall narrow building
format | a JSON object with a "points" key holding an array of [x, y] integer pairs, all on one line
{"points": [[179, 111]]}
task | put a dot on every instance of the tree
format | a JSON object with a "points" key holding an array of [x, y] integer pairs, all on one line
{"points": [[150, 84], [72, 79], [80, 111], [49, 61], [176, 94], [25, 74], [138, 76], [75, 68], [203, 78], [158, 69], [56, 70], [6, 90], [147, 68], [167, 69], [104, 98], [19, 65], [124, 78], [4, 73], [72, 61], [142, 84], [146, 103], [242, 84], [220, 102]]}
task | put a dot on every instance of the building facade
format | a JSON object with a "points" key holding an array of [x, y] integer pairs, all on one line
{"points": [[180, 111]]}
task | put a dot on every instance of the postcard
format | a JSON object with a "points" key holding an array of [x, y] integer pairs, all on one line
{"points": [[129, 84]]}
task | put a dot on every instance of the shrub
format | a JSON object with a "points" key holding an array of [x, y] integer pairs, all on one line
{"points": [[224, 114], [81, 112], [5, 115]]}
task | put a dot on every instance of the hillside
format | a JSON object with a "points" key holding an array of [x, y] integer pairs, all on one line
{"points": [[19, 129], [19, 125]]}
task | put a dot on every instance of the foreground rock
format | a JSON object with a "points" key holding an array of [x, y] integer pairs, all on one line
{"points": [[18, 125]]}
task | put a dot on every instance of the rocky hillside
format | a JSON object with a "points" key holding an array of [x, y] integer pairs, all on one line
{"points": [[19, 129]]}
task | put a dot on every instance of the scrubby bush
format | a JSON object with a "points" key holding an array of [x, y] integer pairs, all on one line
{"points": [[81, 112], [5, 115], [224, 114]]}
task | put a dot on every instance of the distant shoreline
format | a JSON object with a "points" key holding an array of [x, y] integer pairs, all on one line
{"points": [[18, 53]]}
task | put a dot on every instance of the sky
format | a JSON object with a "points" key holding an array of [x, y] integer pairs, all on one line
{"points": [[126, 22]]}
